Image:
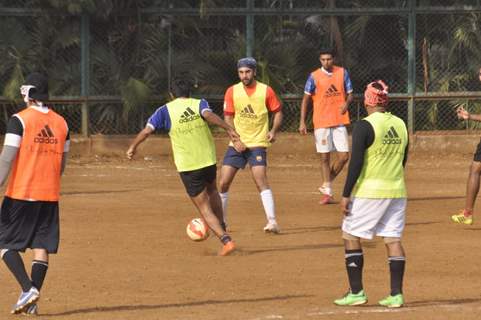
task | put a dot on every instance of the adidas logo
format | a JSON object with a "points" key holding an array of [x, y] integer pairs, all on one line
{"points": [[188, 116], [332, 91], [391, 137], [248, 112], [45, 136], [352, 264]]}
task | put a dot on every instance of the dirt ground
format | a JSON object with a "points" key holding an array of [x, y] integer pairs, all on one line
{"points": [[124, 253]]}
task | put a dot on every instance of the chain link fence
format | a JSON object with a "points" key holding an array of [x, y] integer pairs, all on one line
{"points": [[110, 63]]}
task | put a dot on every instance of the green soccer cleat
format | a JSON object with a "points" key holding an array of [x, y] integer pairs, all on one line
{"points": [[396, 301], [462, 218], [352, 299]]}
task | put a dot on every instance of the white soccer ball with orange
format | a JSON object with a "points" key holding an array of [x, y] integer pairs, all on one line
{"points": [[197, 229]]}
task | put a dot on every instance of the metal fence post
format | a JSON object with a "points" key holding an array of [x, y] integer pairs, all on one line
{"points": [[250, 29], [85, 71], [411, 64]]}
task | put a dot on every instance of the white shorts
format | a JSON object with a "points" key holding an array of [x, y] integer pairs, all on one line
{"points": [[331, 139], [380, 217]]}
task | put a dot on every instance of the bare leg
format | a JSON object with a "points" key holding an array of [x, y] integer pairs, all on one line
{"points": [[472, 187], [325, 170], [202, 203], [40, 255], [227, 174], [342, 158], [215, 202], [259, 174]]}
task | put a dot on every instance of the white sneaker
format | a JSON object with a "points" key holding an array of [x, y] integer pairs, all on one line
{"points": [[25, 300], [272, 227]]}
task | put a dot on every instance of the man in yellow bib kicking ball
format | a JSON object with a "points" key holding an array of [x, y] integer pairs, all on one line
{"points": [[185, 119]]}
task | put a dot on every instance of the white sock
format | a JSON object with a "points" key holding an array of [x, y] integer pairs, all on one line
{"points": [[268, 203], [326, 188], [224, 197]]}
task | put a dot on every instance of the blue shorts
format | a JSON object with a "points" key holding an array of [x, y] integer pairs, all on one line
{"points": [[253, 156]]}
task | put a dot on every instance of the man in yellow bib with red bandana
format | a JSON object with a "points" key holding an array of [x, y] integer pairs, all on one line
{"points": [[246, 107]]}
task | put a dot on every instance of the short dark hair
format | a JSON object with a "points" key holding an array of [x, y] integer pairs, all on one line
{"points": [[378, 86], [181, 87], [327, 51]]}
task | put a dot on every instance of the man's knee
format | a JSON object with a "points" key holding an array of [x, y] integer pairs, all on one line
{"points": [[223, 186], [392, 240], [325, 157], [476, 167], [349, 237], [343, 157]]}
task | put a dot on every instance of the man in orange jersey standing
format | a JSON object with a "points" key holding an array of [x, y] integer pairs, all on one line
{"points": [[330, 90], [36, 144], [246, 108]]}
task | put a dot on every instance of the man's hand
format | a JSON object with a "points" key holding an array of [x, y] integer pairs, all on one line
{"points": [[462, 113], [239, 146], [271, 136], [233, 135], [343, 108], [345, 203], [131, 152], [302, 128]]}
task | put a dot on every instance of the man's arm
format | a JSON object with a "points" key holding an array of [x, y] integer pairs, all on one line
{"points": [[276, 124], [66, 149], [11, 145], [144, 134], [7, 157], [362, 138], [465, 115], [239, 146], [306, 100], [345, 106], [214, 119]]}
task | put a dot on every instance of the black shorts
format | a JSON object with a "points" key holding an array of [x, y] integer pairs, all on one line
{"points": [[29, 224], [195, 181], [477, 154]]}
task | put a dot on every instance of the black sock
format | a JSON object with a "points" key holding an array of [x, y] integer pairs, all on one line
{"points": [[354, 264], [396, 268], [39, 271], [14, 262], [225, 238]]}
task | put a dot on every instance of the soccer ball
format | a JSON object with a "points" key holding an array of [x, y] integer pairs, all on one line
{"points": [[197, 229]]}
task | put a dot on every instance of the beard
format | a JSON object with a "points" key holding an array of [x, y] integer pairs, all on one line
{"points": [[247, 82]]}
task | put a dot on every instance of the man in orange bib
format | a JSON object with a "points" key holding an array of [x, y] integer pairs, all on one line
{"points": [[330, 90], [36, 144], [246, 108]]}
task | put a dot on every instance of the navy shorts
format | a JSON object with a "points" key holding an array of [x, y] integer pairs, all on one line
{"points": [[253, 156], [195, 181], [29, 224]]}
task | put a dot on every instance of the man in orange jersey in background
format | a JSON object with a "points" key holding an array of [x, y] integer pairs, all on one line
{"points": [[330, 90], [246, 108], [36, 143]]}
